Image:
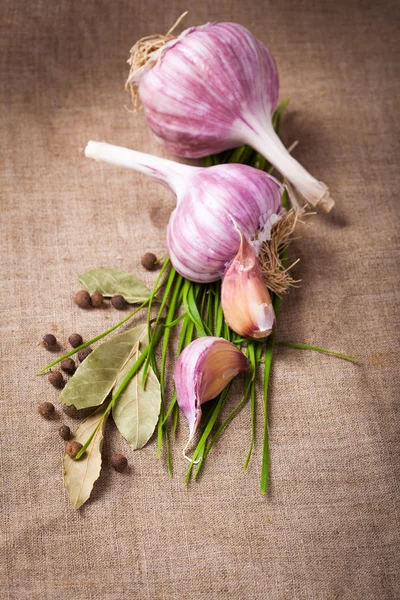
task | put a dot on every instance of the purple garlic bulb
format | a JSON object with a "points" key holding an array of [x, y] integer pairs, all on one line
{"points": [[216, 87], [212, 203]]}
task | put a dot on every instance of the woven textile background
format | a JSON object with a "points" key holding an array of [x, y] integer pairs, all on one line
{"points": [[328, 528]]}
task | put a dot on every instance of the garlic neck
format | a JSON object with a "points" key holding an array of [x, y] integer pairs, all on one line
{"points": [[174, 175], [264, 139]]}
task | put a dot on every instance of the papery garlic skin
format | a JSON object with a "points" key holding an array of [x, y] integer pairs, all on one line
{"points": [[245, 299], [201, 235], [207, 76], [203, 370], [216, 87]]}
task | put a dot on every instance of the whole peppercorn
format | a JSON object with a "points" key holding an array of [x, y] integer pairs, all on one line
{"points": [[149, 261], [56, 379], [97, 299], [49, 341], [71, 411], [118, 302], [82, 354], [82, 299], [72, 448], [75, 340], [68, 366], [64, 432], [119, 462], [46, 409]]}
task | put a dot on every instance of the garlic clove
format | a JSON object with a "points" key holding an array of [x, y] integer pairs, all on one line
{"points": [[245, 299], [202, 371]]}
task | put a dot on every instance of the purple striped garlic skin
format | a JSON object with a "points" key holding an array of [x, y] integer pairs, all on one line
{"points": [[203, 370], [216, 87], [205, 81], [201, 235], [211, 203]]}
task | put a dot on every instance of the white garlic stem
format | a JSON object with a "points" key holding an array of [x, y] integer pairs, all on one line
{"points": [[171, 173], [266, 142]]}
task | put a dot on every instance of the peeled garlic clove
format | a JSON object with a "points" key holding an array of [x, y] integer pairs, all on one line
{"points": [[245, 300], [202, 371]]}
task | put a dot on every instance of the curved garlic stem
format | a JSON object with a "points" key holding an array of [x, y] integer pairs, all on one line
{"points": [[171, 173], [266, 142]]}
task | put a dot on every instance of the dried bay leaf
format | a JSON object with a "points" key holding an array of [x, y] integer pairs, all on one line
{"points": [[97, 374], [113, 281], [136, 410], [80, 475]]}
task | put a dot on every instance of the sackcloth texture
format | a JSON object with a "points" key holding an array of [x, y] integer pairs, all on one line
{"points": [[328, 528]]}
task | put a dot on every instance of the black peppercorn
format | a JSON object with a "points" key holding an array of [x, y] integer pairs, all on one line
{"points": [[49, 341], [56, 379], [97, 299], [118, 302], [68, 366], [119, 462], [46, 409], [72, 448], [82, 299], [64, 432], [149, 261], [82, 354], [75, 340]]}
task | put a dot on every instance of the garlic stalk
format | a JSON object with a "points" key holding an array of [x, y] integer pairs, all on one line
{"points": [[201, 235], [203, 370], [245, 300], [213, 88]]}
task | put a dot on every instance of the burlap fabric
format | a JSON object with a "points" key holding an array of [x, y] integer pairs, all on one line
{"points": [[328, 528]]}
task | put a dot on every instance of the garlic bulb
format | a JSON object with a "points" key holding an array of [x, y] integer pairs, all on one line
{"points": [[202, 371], [201, 235], [245, 300], [216, 87]]}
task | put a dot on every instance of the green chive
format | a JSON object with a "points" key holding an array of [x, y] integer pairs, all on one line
{"points": [[316, 349]]}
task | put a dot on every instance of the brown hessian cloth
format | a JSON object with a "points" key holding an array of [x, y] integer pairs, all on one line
{"points": [[328, 528]]}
